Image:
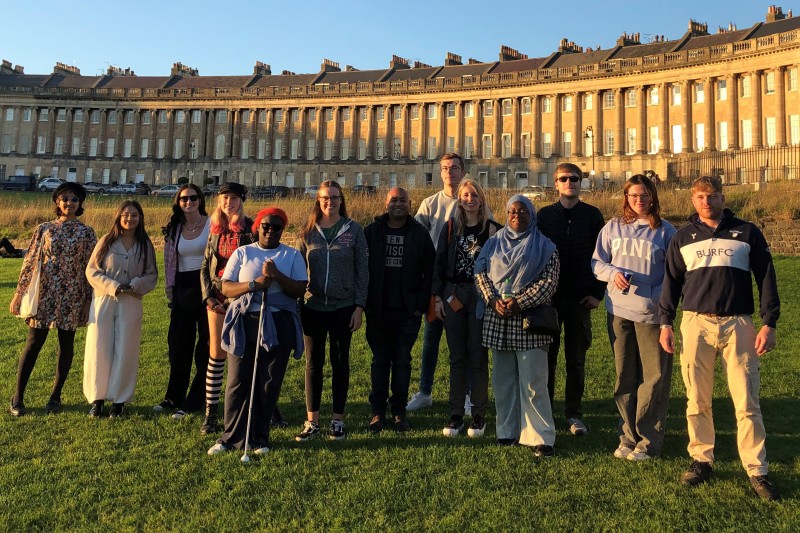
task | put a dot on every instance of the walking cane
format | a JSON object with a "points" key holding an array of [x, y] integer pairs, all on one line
{"points": [[245, 457]]}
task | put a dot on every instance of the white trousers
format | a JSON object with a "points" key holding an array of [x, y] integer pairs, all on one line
{"points": [[111, 360]]}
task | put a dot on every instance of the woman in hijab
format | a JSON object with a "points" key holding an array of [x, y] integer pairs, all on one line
{"points": [[517, 270]]}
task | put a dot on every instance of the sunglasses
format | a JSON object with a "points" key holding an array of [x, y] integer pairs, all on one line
{"points": [[274, 227], [190, 198], [573, 179], [73, 199]]}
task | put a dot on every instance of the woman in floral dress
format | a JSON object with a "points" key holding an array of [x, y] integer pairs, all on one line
{"points": [[60, 249]]}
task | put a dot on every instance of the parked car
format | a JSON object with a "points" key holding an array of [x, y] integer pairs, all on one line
{"points": [[368, 190], [271, 191], [19, 183], [166, 190], [534, 192], [211, 190], [95, 187], [311, 191], [49, 184], [124, 188], [144, 189]]}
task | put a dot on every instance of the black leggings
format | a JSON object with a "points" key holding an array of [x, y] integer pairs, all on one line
{"points": [[64, 355], [317, 326]]}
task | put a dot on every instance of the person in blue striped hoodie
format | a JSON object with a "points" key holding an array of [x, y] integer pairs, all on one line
{"points": [[630, 256]]}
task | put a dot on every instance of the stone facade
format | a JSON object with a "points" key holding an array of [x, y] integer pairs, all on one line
{"points": [[617, 111]]}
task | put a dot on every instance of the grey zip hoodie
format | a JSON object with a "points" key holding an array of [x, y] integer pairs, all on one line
{"points": [[337, 272]]}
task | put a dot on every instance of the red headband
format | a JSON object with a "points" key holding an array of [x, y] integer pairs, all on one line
{"points": [[270, 211]]}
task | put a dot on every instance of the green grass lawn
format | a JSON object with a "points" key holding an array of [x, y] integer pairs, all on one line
{"points": [[148, 472]]}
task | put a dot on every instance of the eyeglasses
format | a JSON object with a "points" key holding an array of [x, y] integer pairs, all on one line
{"points": [[190, 198], [573, 179], [329, 198], [276, 228], [451, 169], [517, 212], [642, 197], [73, 199]]}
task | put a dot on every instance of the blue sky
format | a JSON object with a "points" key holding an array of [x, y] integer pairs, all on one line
{"points": [[227, 38]]}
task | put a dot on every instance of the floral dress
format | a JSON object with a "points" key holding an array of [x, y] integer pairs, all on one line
{"points": [[64, 248]]}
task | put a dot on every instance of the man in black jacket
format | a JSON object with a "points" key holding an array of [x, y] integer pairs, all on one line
{"points": [[401, 257], [710, 262], [573, 226]]}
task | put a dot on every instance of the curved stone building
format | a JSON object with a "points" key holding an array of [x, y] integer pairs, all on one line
{"points": [[626, 109]]}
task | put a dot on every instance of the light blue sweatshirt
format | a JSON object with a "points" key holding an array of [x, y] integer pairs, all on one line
{"points": [[640, 250]]}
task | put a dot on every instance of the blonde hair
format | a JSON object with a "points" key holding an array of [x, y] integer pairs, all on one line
{"points": [[460, 218], [221, 223]]}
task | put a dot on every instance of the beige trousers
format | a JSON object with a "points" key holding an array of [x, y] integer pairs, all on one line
{"points": [[703, 337]]}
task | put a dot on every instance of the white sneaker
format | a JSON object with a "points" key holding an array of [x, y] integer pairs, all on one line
{"points": [[217, 449], [179, 414], [637, 455], [261, 451], [418, 401], [467, 406], [577, 427], [622, 452], [477, 429], [454, 426]]}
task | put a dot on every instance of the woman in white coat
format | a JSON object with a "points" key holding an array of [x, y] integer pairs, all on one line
{"points": [[122, 270]]}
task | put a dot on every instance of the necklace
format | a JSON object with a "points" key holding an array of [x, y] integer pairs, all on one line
{"points": [[196, 224]]}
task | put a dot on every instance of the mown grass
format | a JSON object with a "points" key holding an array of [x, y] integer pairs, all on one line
{"points": [[148, 472]]}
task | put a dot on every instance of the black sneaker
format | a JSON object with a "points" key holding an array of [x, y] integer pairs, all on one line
{"points": [[337, 431], [376, 424], [698, 473], [764, 488], [400, 423], [52, 407], [277, 420], [97, 409], [543, 450], [210, 424], [17, 408], [310, 429], [117, 410], [454, 426]]}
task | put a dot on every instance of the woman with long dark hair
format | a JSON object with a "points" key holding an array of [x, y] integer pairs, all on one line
{"points": [[335, 251], [630, 255], [57, 257], [122, 270], [185, 239]]}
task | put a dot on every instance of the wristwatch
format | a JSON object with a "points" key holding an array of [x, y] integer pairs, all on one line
{"points": [[252, 286]]}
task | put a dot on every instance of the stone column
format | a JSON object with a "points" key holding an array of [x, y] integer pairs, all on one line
{"points": [[320, 138], [536, 133], [169, 144], [757, 117], [558, 105], [516, 128], [442, 129], [663, 103], [355, 124], [336, 135], [688, 125], [405, 139], [478, 114], [67, 131], [577, 132], [459, 133], [235, 133], [136, 149], [598, 133], [301, 133], [423, 131], [120, 130], [206, 131], [733, 112], [497, 144], [641, 137], [84, 148], [51, 130], [710, 132], [101, 137], [780, 106], [287, 137], [619, 99]]}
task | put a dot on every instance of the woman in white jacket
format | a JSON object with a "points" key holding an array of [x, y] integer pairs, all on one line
{"points": [[122, 270], [630, 255]]}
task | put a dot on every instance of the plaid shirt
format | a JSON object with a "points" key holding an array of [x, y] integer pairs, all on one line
{"points": [[507, 333]]}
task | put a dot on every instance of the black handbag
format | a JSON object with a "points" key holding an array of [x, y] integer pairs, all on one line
{"points": [[542, 319]]}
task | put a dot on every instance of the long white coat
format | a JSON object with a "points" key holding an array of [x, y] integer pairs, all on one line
{"points": [[111, 360]]}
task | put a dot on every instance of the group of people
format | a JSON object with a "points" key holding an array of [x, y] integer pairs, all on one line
{"points": [[237, 293]]}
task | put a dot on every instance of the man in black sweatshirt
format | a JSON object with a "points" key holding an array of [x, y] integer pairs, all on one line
{"points": [[710, 262], [573, 226]]}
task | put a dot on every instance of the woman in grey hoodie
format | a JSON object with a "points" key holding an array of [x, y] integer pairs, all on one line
{"points": [[630, 255], [335, 252]]}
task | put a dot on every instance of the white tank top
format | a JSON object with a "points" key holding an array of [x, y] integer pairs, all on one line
{"points": [[191, 251]]}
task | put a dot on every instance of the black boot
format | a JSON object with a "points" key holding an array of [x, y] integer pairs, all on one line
{"points": [[97, 409], [117, 410], [210, 421], [277, 419]]}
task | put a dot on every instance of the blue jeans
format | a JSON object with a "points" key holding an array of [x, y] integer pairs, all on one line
{"points": [[431, 337], [391, 339]]}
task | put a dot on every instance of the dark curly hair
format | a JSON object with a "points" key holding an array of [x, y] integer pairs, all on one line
{"points": [[76, 189]]}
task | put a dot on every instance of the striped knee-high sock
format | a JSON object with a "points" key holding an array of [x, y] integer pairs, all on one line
{"points": [[214, 380]]}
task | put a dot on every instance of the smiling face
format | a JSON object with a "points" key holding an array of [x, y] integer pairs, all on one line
{"points": [[270, 231], [129, 219], [469, 199], [397, 204], [189, 201], [519, 218], [68, 203], [639, 200], [329, 198], [229, 203]]}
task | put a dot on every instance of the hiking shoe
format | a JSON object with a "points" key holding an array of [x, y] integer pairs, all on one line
{"points": [[117, 410], [210, 422], [418, 401], [543, 450], [163, 406], [17, 408], [376, 424], [577, 427], [52, 407], [277, 420], [622, 452], [764, 488], [97, 409], [400, 424], [310, 429], [477, 428], [638, 455], [467, 406], [698, 473], [217, 449], [337, 431], [454, 426], [180, 414]]}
